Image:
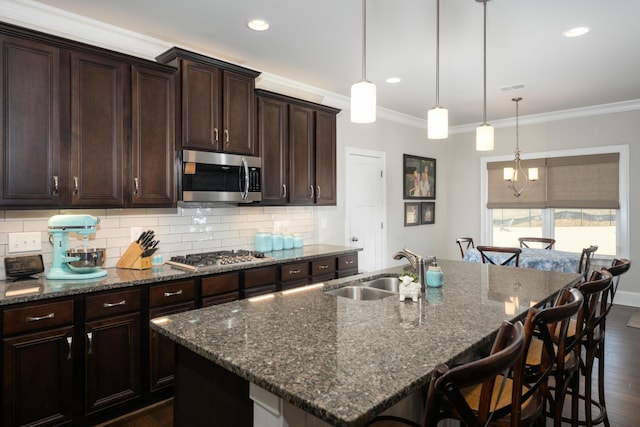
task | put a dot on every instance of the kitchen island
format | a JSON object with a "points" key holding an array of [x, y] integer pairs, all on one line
{"points": [[337, 360]]}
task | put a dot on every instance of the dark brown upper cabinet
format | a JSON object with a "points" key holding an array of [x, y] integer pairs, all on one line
{"points": [[216, 103], [30, 150], [98, 100], [153, 180], [83, 126], [297, 142]]}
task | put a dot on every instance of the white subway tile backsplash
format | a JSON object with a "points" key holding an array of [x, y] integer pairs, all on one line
{"points": [[180, 230]]}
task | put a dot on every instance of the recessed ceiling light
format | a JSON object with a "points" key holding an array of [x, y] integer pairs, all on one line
{"points": [[576, 32], [258, 25], [393, 80]]}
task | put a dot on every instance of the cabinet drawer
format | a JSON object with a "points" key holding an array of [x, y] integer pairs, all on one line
{"points": [[36, 317], [295, 271], [112, 303], [260, 276], [221, 283], [348, 262], [322, 267], [171, 293]]}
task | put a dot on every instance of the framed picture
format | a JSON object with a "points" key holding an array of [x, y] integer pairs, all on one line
{"points": [[427, 212], [419, 177], [411, 214]]}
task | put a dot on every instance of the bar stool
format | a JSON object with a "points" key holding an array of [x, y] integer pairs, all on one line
{"points": [[596, 292], [464, 243]]}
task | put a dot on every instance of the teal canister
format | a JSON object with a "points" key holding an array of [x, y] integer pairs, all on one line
{"points": [[298, 241], [287, 241], [435, 277], [276, 242], [262, 241]]}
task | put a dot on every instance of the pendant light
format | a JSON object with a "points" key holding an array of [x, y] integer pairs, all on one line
{"points": [[484, 133], [438, 117], [363, 93], [516, 176]]}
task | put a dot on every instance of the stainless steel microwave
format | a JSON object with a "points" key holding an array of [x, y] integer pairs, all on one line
{"points": [[220, 177]]}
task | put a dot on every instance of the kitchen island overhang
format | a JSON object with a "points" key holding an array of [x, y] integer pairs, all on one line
{"points": [[345, 361]]}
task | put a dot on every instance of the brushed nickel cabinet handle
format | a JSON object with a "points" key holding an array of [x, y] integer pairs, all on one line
{"points": [[294, 271], [75, 185], [69, 342], [226, 136], [215, 133], [56, 185], [312, 192], [318, 191], [323, 267], [348, 262], [284, 190], [37, 319], [114, 304], [90, 338], [136, 186], [171, 294]]}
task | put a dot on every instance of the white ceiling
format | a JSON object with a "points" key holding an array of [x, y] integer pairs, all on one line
{"points": [[318, 43]]}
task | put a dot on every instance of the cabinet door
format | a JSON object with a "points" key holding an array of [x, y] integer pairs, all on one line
{"points": [[37, 378], [201, 100], [238, 113], [112, 361], [325, 156], [153, 142], [29, 119], [301, 152], [273, 124], [162, 350], [97, 130]]}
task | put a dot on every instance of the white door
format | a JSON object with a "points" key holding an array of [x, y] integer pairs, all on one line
{"points": [[366, 201]]}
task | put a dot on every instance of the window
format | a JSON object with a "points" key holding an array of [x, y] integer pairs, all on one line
{"points": [[598, 216], [573, 229]]}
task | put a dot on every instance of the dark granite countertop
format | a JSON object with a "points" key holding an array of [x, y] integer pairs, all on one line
{"points": [[345, 361], [39, 288]]}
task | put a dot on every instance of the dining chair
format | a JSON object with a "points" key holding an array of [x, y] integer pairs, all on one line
{"points": [[546, 242], [474, 393], [552, 354], [464, 243], [489, 256], [588, 329], [584, 265]]}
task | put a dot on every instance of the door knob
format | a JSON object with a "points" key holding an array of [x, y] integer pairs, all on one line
{"points": [[354, 239]]}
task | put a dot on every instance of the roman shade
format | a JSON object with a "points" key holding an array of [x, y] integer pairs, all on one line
{"points": [[590, 181]]}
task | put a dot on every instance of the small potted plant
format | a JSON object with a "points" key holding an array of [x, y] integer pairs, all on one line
{"points": [[409, 287]]}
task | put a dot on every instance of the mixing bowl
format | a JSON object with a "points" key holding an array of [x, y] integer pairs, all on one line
{"points": [[90, 259]]}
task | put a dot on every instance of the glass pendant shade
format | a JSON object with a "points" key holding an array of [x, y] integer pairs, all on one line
{"points": [[363, 102], [484, 138], [533, 174], [438, 123]]}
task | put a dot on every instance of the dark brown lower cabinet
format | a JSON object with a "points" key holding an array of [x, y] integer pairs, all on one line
{"points": [[37, 374], [164, 300], [259, 281], [112, 361]]}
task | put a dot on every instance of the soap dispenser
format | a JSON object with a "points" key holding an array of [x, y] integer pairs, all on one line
{"points": [[434, 275]]}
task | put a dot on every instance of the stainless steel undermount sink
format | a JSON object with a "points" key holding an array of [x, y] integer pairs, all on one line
{"points": [[361, 293], [390, 284]]}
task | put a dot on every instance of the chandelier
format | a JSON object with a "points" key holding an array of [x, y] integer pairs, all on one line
{"points": [[516, 176]]}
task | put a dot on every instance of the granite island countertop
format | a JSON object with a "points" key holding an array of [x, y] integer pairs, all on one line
{"points": [[39, 288], [345, 361]]}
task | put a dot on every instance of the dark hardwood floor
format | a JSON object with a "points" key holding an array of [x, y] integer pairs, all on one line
{"points": [[622, 373]]}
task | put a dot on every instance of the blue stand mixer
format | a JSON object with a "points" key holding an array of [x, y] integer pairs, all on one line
{"points": [[79, 263]]}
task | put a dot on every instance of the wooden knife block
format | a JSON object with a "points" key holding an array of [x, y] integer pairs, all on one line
{"points": [[131, 258]]}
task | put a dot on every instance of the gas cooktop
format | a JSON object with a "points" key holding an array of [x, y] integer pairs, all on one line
{"points": [[209, 260]]}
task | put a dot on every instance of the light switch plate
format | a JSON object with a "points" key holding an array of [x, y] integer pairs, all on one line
{"points": [[25, 242]]}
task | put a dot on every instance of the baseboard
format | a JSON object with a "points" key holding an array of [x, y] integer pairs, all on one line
{"points": [[631, 299]]}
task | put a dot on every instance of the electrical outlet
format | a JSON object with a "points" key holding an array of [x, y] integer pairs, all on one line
{"points": [[25, 242]]}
